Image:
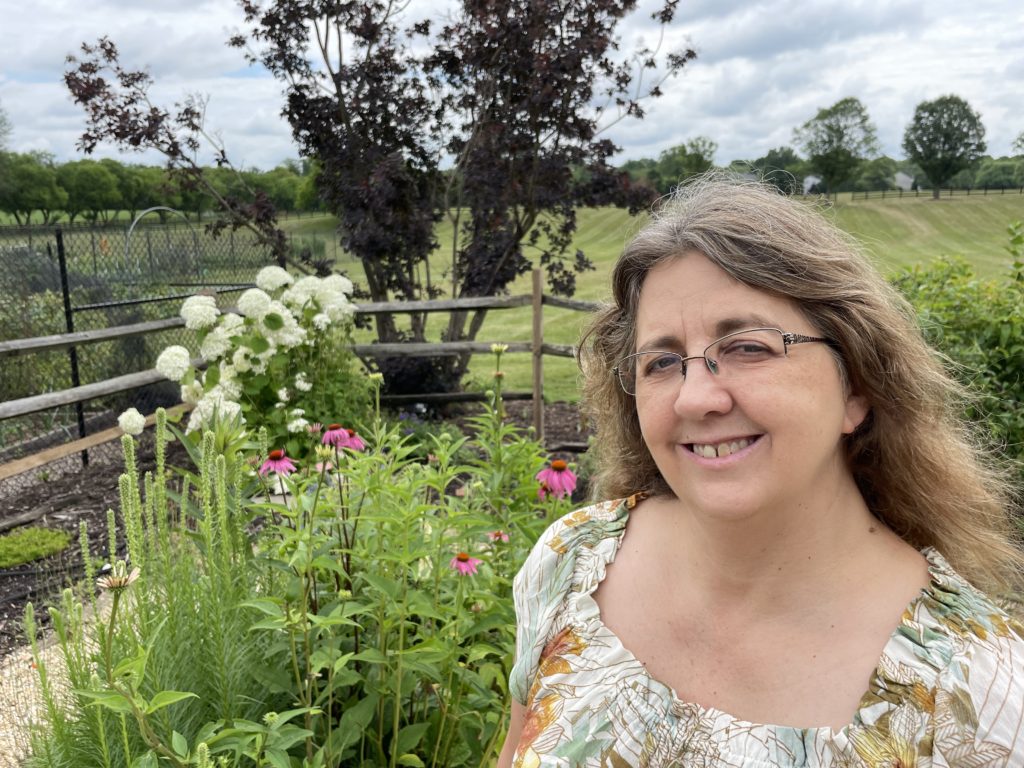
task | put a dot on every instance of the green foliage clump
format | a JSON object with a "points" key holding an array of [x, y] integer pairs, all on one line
{"points": [[313, 617], [978, 324], [28, 544]]}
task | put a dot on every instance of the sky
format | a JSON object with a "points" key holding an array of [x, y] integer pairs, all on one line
{"points": [[763, 68]]}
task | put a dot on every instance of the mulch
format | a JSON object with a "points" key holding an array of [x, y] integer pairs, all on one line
{"points": [[68, 494]]}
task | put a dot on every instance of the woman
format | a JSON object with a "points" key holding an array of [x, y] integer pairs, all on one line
{"points": [[786, 577]]}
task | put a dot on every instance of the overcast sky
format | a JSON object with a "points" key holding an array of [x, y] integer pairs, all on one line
{"points": [[763, 68]]}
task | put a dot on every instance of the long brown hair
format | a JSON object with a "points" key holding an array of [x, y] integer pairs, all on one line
{"points": [[921, 469]]}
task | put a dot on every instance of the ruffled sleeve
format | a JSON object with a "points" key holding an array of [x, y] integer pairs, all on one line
{"points": [[547, 578], [979, 708]]}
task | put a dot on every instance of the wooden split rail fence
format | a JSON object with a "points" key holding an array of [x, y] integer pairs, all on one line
{"points": [[80, 394]]}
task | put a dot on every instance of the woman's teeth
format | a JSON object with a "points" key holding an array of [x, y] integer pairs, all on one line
{"points": [[721, 449]]}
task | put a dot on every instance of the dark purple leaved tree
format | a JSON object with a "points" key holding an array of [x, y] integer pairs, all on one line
{"points": [[494, 120]]}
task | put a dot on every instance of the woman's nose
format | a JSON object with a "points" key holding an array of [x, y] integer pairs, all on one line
{"points": [[701, 392]]}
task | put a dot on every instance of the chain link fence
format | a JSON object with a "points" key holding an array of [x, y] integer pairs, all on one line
{"points": [[75, 278]]}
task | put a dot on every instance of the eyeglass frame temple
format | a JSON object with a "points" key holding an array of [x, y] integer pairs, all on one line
{"points": [[787, 339]]}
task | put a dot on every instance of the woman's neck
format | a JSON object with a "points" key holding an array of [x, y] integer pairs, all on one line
{"points": [[775, 560]]}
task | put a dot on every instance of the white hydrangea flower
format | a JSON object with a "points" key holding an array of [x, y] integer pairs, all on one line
{"points": [[297, 425], [131, 422], [304, 291], [302, 383], [174, 362], [242, 359], [254, 303], [282, 394], [321, 321], [216, 344], [199, 312], [230, 322], [229, 384], [295, 412], [337, 284], [271, 278], [192, 393], [339, 309]]}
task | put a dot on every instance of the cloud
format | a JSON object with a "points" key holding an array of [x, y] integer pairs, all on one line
{"points": [[765, 67]]}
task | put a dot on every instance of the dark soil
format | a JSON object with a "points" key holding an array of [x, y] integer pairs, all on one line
{"points": [[68, 494]]}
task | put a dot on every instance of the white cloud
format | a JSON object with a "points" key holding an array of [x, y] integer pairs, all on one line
{"points": [[764, 68]]}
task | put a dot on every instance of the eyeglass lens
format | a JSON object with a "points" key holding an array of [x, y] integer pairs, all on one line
{"points": [[729, 356]]}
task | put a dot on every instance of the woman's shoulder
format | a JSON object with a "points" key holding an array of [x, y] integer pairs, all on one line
{"points": [[964, 611], [582, 529], [978, 647]]}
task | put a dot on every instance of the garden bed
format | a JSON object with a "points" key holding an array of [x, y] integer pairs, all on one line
{"points": [[69, 494]]}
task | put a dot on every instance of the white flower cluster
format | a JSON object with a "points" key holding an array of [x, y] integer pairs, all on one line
{"points": [[131, 422], [199, 312], [270, 279], [174, 362], [280, 314]]}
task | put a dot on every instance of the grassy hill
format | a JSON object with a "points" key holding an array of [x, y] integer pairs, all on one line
{"points": [[895, 232]]}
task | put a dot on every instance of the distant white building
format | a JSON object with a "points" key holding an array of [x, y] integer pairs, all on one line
{"points": [[809, 182], [903, 181]]}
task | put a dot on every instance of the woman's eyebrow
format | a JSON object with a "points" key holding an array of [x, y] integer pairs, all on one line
{"points": [[723, 327]]}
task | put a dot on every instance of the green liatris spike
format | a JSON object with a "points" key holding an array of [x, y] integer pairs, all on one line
{"points": [[111, 536], [83, 544], [203, 756], [131, 516], [128, 447], [264, 443], [29, 622]]}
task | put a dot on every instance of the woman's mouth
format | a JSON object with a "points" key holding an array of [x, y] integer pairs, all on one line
{"points": [[719, 450]]}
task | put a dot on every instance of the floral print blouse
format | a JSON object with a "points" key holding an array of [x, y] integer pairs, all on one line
{"points": [[948, 691]]}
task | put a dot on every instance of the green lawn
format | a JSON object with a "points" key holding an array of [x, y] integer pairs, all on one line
{"points": [[896, 232]]}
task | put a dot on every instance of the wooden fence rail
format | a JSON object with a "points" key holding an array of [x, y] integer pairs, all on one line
{"points": [[536, 346]]}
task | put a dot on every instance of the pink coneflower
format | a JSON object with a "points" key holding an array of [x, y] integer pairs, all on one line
{"points": [[557, 479], [498, 536], [340, 437], [315, 428], [464, 564], [278, 463]]}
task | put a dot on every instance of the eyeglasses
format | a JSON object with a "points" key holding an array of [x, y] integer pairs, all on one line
{"points": [[730, 357]]}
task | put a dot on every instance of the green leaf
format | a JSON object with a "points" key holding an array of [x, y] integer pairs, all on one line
{"points": [[166, 698], [212, 377], [410, 760], [109, 700], [355, 719], [273, 321], [277, 757], [147, 760], [264, 604], [179, 744], [256, 343], [409, 737], [389, 587]]}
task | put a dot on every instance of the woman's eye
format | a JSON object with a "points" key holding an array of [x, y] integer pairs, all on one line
{"points": [[659, 364], [745, 349]]}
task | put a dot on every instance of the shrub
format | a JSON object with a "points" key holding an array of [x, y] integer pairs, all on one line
{"points": [[979, 326], [282, 366], [28, 544]]}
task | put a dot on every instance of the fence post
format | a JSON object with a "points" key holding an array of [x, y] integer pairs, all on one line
{"points": [[69, 323], [538, 354]]}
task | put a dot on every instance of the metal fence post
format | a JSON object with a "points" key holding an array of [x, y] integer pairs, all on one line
{"points": [[538, 354], [69, 323]]}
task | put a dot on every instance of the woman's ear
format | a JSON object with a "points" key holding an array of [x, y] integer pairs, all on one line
{"points": [[856, 411]]}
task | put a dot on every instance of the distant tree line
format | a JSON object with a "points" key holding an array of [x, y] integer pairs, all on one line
{"points": [[944, 146], [35, 188]]}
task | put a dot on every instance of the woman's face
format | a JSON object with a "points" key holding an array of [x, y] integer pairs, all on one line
{"points": [[767, 436]]}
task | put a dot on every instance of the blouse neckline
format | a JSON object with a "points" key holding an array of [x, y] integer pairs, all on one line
{"points": [[942, 579]]}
